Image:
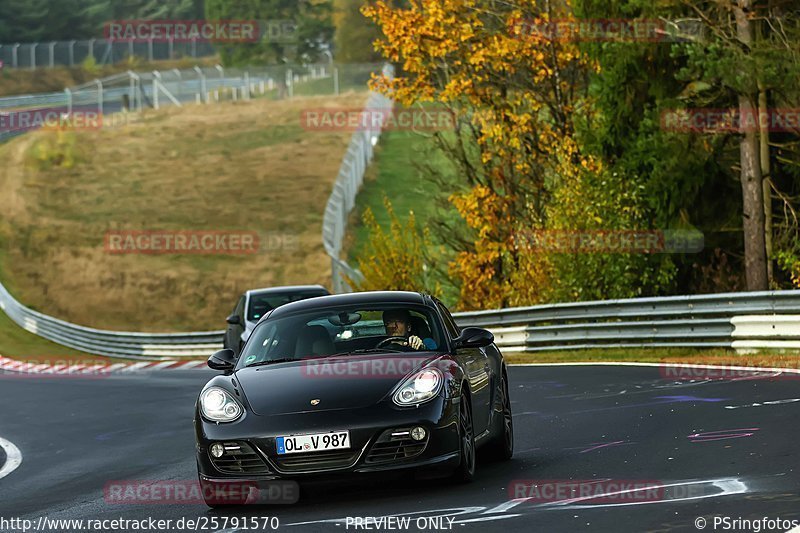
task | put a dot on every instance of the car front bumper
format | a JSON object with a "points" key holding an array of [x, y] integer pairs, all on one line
{"points": [[378, 444]]}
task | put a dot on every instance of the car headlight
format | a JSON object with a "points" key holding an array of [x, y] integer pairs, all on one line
{"points": [[419, 388], [218, 405]]}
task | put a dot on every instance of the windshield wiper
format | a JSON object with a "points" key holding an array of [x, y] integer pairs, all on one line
{"points": [[376, 350]]}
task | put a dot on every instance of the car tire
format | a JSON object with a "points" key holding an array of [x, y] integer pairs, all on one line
{"points": [[466, 469], [501, 448]]}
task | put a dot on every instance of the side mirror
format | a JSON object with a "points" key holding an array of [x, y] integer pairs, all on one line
{"points": [[474, 338], [233, 319], [223, 360]]}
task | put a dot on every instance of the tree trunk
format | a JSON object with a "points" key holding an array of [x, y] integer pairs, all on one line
{"points": [[755, 252], [766, 172], [766, 181]]}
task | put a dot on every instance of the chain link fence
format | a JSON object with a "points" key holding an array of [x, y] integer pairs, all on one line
{"points": [[348, 183], [134, 91], [104, 52]]}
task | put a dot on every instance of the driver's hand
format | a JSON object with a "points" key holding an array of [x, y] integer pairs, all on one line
{"points": [[415, 342]]}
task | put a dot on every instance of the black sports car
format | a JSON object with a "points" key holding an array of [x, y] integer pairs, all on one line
{"points": [[321, 389]]}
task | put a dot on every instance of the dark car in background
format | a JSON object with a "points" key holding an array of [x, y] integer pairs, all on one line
{"points": [[256, 303], [321, 389]]}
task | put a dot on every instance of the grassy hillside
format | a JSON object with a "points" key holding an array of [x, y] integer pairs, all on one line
{"points": [[396, 174], [230, 167]]}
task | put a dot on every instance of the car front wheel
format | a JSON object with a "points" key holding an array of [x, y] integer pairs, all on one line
{"points": [[502, 446], [466, 470]]}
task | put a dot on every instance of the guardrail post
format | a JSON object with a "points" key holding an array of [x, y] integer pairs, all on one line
{"points": [[68, 93], [171, 47], [71, 52], [204, 95], [180, 82], [246, 94], [156, 78], [99, 96], [15, 55], [33, 55], [91, 48], [150, 49], [132, 90], [194, 46], [290, 83], [52, 54], [336, 81]]}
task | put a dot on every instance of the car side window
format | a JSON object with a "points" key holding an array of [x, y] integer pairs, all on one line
{"points": [[452, 329]]}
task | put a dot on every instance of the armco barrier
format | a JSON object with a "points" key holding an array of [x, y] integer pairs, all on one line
{"points": [[124, 345], [743, 321]]}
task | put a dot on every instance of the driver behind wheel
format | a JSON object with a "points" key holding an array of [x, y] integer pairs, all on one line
{"points": [[398, 324]]}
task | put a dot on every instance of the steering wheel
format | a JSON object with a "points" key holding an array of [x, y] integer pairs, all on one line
{"points": [[390, 340]]}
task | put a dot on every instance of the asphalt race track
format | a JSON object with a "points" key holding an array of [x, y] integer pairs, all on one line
{"points": [[704, 448]]}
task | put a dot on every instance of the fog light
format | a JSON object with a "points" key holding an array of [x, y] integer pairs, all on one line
{"points": [[217, 450], [418, 433]]}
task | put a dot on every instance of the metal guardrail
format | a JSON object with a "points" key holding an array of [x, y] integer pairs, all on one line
{"points": [[743, 321], [348, 182], [124, 345], [736, 320]]}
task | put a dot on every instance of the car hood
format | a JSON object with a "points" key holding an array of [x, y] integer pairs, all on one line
{"points": [[346, 382]]}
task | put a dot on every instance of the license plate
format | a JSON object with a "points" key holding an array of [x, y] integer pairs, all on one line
{"points": [[318, 442]]}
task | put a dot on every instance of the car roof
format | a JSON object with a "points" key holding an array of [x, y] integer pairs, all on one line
{"points": [[353, 298], [285, 289]]}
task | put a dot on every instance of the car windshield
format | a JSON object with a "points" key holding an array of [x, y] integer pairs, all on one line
{"points": [[342, 330], [261, 304]]}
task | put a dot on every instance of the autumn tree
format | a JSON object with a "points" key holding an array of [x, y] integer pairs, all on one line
{"points": [[354, 33], [396, 259], [514, 91]]}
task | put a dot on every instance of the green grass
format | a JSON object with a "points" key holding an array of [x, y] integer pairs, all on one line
{"points": [[225, 167], [396, 173], [391, 175]]}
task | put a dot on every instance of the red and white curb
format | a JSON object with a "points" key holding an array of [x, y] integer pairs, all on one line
{"points": [[78, 368]]}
